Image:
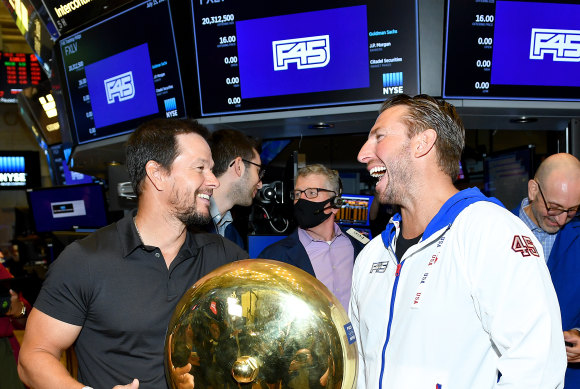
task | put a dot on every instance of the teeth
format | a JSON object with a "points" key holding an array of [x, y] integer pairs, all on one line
{"points": [[203, 196], [378, 171]]}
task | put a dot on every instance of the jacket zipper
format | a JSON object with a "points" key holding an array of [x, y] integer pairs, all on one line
{"points": [[392, 305]]}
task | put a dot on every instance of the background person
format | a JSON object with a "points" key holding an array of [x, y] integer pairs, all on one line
{"points": [[112, 294], [550, 211], [455, 289], [13, 311], [318, 246], [238, 168]]}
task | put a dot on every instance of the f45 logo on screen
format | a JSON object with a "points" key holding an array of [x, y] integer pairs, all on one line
{"points": [[309, 52], [121, 87], [525, 246], [564, 45]]}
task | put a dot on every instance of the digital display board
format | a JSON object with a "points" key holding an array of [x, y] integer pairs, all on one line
{"points": [[256, 57], [19, 169], [17, 71], [524, 50], [61, 174], [116, 75], [70, 14], [37, 28], [355, 210]]}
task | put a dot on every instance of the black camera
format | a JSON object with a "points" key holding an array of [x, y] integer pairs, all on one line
{"points": [[272, 193]]}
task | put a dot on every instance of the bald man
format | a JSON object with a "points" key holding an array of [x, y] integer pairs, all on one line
{"points": [[551, 212]]}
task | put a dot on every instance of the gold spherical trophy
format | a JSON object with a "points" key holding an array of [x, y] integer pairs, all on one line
{"points": [[263, 324]]}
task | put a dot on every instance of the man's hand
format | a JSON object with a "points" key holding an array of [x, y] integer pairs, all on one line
{"points": [[182, 377], [573, 352], [132, 385]]}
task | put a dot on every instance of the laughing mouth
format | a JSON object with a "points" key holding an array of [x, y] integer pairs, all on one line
{"points": [[378, 172], [204, 196]]}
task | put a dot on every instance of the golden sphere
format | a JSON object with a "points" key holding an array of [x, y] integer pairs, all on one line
{"points": [[260, 323]]}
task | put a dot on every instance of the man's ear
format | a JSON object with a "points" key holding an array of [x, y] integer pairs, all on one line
{"points": [[156, 174], [238, 166], [532, 190], [424, 142]]}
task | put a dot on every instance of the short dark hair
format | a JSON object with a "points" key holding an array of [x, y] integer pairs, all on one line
{"points": [[155, 140], [425, 112], [227, 145]]}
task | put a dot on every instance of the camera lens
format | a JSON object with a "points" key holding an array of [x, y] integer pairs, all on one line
{"points": [[269, 194]]}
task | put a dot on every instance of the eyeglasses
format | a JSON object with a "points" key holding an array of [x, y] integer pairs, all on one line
{"points": [[556, 211], [261, 170], [310, 193]]}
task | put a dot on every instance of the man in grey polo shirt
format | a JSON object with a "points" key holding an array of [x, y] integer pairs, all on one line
{"points": [[112, 294]]}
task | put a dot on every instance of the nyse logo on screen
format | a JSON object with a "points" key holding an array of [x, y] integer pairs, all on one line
{"points": [[121, 87], [309, 52], [392, 83], [564, 45]]}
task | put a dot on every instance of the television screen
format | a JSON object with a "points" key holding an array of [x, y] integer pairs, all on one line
{"points": [[506, 175], [60, 172], [354, 210], [19, 169], [524, 50], [17, 71], [68, 208], [256, 57], [116, 75], [68, 15]]}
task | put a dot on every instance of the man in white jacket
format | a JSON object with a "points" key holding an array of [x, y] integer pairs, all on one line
{"points": [[455, 293]]}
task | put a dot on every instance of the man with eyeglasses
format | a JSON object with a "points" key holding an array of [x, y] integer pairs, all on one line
{"points": [[319, 246], [238, 168], [550, 211]]}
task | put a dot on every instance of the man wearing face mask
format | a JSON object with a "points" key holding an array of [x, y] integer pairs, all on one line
{"points": [[319, 246]]}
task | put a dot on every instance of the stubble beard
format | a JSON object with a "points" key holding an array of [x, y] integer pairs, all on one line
{"points": [[243, 192], [399, 175], [188, 214], [541, 219]]}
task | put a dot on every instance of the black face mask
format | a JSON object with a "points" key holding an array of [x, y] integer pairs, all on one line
{"points": [[309, 214]]}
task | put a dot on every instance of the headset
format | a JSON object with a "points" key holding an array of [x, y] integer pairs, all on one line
{"points": [[337, 201]]}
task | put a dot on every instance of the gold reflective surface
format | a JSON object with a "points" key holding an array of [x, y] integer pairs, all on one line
{"points": [[261, 324]]}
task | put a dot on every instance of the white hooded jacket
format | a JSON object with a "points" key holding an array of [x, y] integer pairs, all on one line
{"points": [[471, 299]]}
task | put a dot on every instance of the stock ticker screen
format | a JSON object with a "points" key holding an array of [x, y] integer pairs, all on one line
{"points": [[121, 72], [17, 71], [254, 57], [525, 50]]}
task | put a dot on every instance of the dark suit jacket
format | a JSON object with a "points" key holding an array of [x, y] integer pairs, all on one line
{"points": [[291, 251], [231, 233]]}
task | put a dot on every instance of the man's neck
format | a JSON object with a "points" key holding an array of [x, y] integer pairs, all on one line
{"points": [[221, 197], [166, 234], [419, 212], [528, 211], [324, 231]]}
